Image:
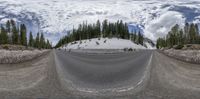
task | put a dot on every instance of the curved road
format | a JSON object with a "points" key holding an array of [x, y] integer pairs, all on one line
{"points": [[104, 71], [131, 75]]}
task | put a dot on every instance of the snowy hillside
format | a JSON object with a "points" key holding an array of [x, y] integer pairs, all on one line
{"points": [[55, 17], [104, 43]]}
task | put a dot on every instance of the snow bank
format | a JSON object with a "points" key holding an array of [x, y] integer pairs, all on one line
{"points": [[192, 56], [10, 57], [149, 46], [103, 43]]}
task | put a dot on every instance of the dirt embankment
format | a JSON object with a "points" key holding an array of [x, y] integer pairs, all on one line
{"points": [[192, 56], [17, 56]]}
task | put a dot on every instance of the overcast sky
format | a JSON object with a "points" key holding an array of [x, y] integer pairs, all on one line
{"points": [[55, 17]]}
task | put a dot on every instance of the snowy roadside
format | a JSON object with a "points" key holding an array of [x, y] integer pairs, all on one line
{"points": [[98, 51], [105, 43], [17, 56], [192, 56]]}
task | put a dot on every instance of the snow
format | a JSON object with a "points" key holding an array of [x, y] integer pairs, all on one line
{"points": [[149, 46], [103, 43], [55, 17], [192, 56], [17, 56]]}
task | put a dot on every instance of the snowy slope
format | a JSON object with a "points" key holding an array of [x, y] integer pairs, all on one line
{"points": [[55, 17], [103, 43], [149, 46]]}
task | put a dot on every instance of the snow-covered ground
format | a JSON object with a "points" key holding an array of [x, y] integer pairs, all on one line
{"points": [[10, 57], [55, 17], [104, 43], [192, 56]]}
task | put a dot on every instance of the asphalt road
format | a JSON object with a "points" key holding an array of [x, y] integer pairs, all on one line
{"points": [[133, 75], [98, 72]]}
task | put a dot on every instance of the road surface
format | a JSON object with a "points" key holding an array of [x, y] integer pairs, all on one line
{"points": [[104, 72], [132, 75]]}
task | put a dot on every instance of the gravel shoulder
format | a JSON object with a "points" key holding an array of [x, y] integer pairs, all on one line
{"points": [[192, 56], [18, 56], [35, 79], [171, 79]]}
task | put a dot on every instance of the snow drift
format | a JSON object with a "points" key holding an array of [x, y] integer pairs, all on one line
{"points": [[105, 43]]}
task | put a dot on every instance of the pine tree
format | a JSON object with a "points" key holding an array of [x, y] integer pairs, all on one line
{"points": [[8, 26], [186, 33], [12, 34], [104, 28], [135, 36], [4, 36], [181, 38], [23, 38], [37, 41], [98, 28], [120, 27], [1, 38], [8, 30], [197, 34], [126, 31], [48, 45], [42, 41], [31, 40], [15, 35], [160, 43], [177, 36], [192, 34]]}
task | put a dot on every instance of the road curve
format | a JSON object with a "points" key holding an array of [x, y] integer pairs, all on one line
{"points": [[133, 75], [103, 72]]}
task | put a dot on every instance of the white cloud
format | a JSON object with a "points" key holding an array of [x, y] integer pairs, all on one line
{"points": [[161, 26]]}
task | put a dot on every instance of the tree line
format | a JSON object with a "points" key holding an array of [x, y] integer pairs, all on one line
{"points": [[180, 36], [14, 34], [117, 29]]}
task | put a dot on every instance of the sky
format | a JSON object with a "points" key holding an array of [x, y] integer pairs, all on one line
{"points": [[56, 17]]}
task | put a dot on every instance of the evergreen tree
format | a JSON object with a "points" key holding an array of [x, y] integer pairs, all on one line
{"points": [[177, 36], [197, 34], [98, 28], [47, 45], [160, 43], [23, 38], [105, 28], [192, 34], [140, 38], [4, 36], [120, 29], [42, 41], [8, 26], [37, 41], [186, 33], [31, 40], [15, 35], [126, 31], [8, 30]]}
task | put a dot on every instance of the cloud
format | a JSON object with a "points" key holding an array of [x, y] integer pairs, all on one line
{"points": [[161, 26]]}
